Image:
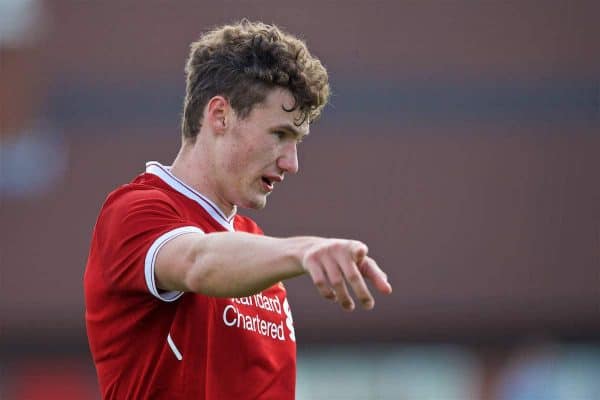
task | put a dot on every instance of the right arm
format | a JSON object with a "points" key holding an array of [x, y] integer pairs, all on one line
{"points": [[236, 264]]}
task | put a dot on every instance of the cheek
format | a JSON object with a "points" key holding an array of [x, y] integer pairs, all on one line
{"points": [[240, 159]]}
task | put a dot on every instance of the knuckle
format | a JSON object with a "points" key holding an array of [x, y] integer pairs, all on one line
{"points": [[334, 247], [337, 282], [344, 297], [358, 244], [354, 278]]}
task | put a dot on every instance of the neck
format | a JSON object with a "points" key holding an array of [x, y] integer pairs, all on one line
{"points": [[196, 171]]}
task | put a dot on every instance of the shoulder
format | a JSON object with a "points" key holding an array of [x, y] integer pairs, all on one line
{"points": [[138, 212], [136, 197], [246, 224]]}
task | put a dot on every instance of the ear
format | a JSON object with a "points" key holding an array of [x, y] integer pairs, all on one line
{"points": [[218, 114]]}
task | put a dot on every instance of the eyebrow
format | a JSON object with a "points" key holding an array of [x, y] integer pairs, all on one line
{"points": [[292, 129]]}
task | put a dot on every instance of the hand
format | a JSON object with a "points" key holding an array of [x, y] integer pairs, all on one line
{"points": [[334, 263]]}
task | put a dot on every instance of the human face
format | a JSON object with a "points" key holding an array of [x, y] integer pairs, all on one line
{"points": [[256, 152]]}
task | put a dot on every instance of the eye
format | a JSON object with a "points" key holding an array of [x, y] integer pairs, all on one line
{"points": [[280, 134]]}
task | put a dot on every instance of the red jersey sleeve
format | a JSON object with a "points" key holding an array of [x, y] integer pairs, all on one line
{"points": [[131, 229]]}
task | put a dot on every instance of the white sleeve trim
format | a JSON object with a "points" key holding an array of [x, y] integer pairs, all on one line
{"points": [[151, 259]]}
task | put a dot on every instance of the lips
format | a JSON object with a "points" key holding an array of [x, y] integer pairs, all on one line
{"points": [[267, 184], [268, 181]]}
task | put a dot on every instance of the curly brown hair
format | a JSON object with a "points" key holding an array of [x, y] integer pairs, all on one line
{"points": [[243, 62]]}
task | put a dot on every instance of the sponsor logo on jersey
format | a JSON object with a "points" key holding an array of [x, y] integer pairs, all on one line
{"points": [[251, 313]]}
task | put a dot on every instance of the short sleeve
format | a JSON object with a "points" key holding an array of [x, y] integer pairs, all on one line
{"points": [[131, 230], [150, 261]]}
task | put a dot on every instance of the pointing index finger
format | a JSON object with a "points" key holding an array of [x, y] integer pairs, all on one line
{"points": [[371, 271]]}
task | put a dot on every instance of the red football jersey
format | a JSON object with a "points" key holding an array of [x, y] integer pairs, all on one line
{"points": [[151, 344]]}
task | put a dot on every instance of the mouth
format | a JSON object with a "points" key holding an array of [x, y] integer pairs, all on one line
{"points": [[268, 182]]}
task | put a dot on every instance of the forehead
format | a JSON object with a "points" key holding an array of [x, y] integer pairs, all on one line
{"points": [[272, 111]]}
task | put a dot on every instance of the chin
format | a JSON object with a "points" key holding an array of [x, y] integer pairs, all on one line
{"points": [[259, 205], [255, 204]]}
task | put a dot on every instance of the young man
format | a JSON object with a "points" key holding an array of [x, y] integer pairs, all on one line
{"points": [[184, 298]]}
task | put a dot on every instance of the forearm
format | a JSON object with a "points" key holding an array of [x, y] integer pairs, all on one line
{"points": [[234, 264]]}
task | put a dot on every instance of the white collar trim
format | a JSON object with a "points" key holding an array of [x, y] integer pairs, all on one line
{"points": [[164, 173]]}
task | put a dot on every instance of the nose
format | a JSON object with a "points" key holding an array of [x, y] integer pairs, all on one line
{"points": [[288, 161]]}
